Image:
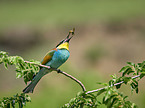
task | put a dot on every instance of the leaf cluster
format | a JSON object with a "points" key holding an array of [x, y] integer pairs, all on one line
{"points": [[131, 74], [23, 69], [81, 100], [112, 98], [21, 99]]}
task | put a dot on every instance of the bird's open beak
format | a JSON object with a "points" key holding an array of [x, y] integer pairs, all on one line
{"points": [[68, 38]]}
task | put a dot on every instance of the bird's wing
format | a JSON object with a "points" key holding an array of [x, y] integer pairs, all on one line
{"points": [[48, 56]]}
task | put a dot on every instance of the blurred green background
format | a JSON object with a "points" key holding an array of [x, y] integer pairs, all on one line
{"points": [[108, 34]]}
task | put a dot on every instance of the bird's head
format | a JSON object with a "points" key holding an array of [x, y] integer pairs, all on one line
{"points": [[64, 44]]}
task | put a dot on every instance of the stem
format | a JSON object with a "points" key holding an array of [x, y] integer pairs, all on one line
{"points": [[76, 80], [110, 86], [73, 78], [48, 67], [59, 71]]}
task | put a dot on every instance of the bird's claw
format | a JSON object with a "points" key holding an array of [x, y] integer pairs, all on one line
{"points": [[58, 71]]}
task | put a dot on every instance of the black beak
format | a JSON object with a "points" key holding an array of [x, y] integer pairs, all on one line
{"points": [[68, 38], [70, 32]]}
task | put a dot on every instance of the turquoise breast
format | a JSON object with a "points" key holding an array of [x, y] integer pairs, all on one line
{"points": [[59, 57]]}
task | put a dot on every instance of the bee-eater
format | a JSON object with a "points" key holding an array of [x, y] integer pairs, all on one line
{"points": [[54, 58]]}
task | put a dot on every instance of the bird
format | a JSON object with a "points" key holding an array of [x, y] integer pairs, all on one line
{"points": [[54, 58]]}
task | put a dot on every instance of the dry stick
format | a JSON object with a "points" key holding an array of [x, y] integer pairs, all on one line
{"points": [[92, 91], [59, 71]]}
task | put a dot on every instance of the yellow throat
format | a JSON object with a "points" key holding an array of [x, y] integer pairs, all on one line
{"points": [[64, 46]]}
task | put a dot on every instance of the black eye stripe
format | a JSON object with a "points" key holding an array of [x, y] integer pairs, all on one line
{"points": [[60, 43]]}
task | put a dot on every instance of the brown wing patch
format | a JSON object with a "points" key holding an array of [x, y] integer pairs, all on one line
{"points": [[46, 59], [48, 56]]}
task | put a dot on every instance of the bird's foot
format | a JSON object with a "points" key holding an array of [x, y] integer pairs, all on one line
{"points": [[58, 71]]}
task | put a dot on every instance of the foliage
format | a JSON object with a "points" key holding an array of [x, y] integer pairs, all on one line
{"points": [[23, 69], [110, 96], [131, 74], [82, 99], [20, 99]]}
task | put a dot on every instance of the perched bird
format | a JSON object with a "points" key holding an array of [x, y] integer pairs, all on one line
{"points": [[54, 58]]}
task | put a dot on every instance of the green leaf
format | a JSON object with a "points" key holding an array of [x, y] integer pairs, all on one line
{"points": [[126, 79], [13, 103], [5, 65], [125, 97], [106, 97], [128, 70], [130, 63], [143, 72], [111, 83], [18, 75], [72, 100], [136, 90], [113, 102], [8, 105], [25, 80], [141, 76], [124, 68], [105, 84]]}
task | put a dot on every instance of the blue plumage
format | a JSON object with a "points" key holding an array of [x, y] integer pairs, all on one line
{"points": [[59, 57]]}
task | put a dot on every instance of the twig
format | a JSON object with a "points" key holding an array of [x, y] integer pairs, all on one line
{"points": [[92, 91], [48, 67], [76, 80], [59, 71], [73, 78]]}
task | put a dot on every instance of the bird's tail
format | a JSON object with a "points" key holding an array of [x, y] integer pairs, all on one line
{"points": [[30, 87], [33, 83]]}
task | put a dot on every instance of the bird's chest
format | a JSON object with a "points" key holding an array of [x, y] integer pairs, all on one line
{"points": [[59, 57]]}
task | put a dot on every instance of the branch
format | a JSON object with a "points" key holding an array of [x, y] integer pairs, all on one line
{"points": [[76, 80], [59, 71], [110, 86], [73, 78]]}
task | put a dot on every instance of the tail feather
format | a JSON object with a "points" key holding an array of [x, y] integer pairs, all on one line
{"points": [[33, 83], [30, 87]]}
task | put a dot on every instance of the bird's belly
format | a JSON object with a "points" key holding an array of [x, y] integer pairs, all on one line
{"points": [[59, 57]]}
